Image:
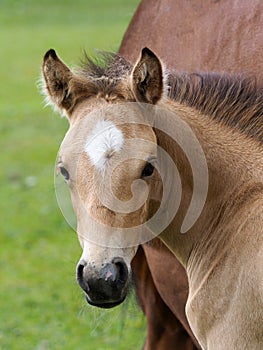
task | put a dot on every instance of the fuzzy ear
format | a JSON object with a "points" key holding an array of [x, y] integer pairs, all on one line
{"points": [[57, 77], [147, 78]]}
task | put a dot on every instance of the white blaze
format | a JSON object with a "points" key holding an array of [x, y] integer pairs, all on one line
{"points": [[104, 140]]}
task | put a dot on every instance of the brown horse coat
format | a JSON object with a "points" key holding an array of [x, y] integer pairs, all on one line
{"points": [[208, 35], [165, 330], [222, 36]]}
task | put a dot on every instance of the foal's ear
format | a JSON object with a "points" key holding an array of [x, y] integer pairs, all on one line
{"points": [[147, 78], [56, 81]]}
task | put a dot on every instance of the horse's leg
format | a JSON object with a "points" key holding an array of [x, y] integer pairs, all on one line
{"points": [[170, 280], [164, 330]]}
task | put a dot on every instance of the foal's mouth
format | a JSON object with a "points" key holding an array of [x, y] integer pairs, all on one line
{"points": [[107, 305]]}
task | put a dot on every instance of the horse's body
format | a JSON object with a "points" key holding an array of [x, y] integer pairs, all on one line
{"points": [[209, 35], [222, 247], [222, 36]]}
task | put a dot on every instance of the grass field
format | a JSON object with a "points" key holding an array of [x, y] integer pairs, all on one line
{"points": [[41, 306]]}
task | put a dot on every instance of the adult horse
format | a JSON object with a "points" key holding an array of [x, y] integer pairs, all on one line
{"points": [[206, 123], [212, 35], [222, 36]]}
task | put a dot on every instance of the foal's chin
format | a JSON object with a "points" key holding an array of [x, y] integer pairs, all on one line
{"points": [[105, 305]]}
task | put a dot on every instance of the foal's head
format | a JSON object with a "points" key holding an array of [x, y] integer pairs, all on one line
{"points": [[108, 160]]}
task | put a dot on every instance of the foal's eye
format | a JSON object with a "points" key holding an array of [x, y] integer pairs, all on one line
{"points": [[64, 173], [148, 170]]}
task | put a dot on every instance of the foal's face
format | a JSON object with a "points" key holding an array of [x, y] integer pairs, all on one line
{"points": [[108, 160], [109, 167]]}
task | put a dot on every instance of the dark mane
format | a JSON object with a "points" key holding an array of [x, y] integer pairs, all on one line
{"points": [[231, 99]]}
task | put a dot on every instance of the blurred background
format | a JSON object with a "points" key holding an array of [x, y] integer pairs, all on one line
{"points": [[41, 305]]}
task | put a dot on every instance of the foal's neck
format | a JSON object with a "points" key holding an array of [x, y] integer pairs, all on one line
{"points": [[234, 168]]}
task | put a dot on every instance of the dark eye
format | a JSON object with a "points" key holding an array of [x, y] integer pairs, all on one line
{"points": [[148, 170], [64, 173]]}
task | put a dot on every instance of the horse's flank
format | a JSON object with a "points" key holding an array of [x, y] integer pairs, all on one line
{"points": [[222, 36]]}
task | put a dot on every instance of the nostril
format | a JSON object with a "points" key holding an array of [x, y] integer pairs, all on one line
{"points": [[80, 269], [122, 271], [80, 277]]}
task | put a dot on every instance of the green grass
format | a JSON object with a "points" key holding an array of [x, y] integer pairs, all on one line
{"points": [[41, 306]]}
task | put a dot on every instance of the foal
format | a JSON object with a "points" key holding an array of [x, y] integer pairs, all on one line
{"points": [[221, 248]]}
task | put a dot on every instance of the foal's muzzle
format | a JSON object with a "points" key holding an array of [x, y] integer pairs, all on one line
{"points": [[107, 287]]}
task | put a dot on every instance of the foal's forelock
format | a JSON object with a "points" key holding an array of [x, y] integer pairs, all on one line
{"points": [[106, 65], [106, 76]]}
